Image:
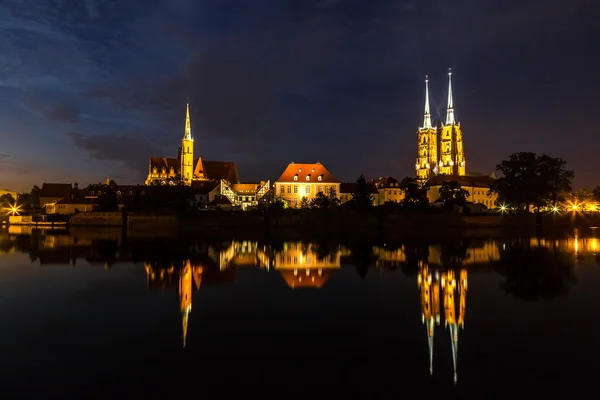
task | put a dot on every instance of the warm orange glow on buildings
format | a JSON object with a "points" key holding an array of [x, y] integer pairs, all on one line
{"points": [[300, 181], [301, 266]]}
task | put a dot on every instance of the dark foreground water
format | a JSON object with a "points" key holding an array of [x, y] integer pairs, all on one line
{"points": [[479, 318]]}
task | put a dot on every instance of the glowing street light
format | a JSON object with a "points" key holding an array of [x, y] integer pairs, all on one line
{"points": [[555, 209]]}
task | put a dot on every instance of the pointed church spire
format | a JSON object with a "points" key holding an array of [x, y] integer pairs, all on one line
{"points": [[450, 114], [454, 342], [188, 126], [427, 116]]}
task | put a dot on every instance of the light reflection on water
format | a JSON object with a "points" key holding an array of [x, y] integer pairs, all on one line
{"points": [[412, 291]]}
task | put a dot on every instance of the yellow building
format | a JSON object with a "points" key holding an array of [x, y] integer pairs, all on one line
{"points": [[427, 158], [300, 181], [477, 185], [452, 156], [440, 151], [387, 189]]}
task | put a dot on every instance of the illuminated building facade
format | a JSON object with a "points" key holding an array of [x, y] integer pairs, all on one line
{"points": [[440, 151], [186, 169], [300, 181], [427, 150]]}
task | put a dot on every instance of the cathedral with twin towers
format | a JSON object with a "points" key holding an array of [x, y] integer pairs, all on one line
{"points": [[440, 147]]}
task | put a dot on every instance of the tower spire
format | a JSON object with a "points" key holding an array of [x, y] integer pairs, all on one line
{"points": [[427, 116], [450, 114], [188, 126]]}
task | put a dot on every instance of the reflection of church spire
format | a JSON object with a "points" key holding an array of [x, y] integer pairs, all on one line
{"points": [[185, 296], [430, 305], [449, 285]]}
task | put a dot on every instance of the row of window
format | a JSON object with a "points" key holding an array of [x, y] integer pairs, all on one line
{"points": [[295, 189], [319, 178]]}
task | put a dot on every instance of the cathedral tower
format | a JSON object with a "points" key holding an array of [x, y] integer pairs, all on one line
{"points": [[427, 143], [187, 150], [452, 156]]}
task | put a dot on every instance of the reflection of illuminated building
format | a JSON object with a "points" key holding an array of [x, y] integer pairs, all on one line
{"points": [[301, 266], [389, 258], [430, 304], [578, 246], [450, 287], [164, 277]]}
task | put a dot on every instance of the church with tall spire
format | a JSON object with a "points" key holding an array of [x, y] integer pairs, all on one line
{"points": [[427, 143], [185, 169], [440, 150]]}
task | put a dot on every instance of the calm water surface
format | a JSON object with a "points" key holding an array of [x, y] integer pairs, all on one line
{"points": [[478, 318]]}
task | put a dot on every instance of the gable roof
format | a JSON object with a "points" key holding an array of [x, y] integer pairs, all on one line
{"points": [[386, 182], [62, 190], [167, 163], [312, 171], [220, 170], [246, 187]]}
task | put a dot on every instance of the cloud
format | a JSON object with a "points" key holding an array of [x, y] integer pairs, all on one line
{"points": [[131, 150]]}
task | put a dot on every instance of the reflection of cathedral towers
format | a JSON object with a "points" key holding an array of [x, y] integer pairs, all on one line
{"points": [[451, 287], [430, 304], [185, 296]]}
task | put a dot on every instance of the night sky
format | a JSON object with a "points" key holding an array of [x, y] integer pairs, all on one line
{"points": [[91, 88]]}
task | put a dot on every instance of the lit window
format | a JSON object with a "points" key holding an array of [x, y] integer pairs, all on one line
{"points": [[296, 177], [282, 191], [118, 192], [320, 189], [295, 189], [308, 177], [307, 189], [320, 178], [289, 189]]}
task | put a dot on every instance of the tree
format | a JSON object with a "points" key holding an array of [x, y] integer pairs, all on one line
{"points": [[7, 200], [320, 201], [556, 177], [528, 179], [596, 193], [334, 201], [305, 203], [451, 193], [362, 198], [415, 194], [35, 195]]}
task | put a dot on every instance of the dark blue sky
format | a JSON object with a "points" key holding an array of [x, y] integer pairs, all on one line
{"points": [[91, 88]]}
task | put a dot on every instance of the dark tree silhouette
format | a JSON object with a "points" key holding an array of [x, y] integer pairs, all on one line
{"points": [[362, 199], [533, 273]]}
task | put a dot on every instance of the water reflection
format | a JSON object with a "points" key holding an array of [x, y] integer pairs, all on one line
{"points": [[532, 268], [429, 284]]}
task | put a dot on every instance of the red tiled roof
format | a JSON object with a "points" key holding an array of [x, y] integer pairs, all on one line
{"points": [[220, 170], [386, 182], [313, 171], [167, 163], [245, 187], [56, 190]]}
